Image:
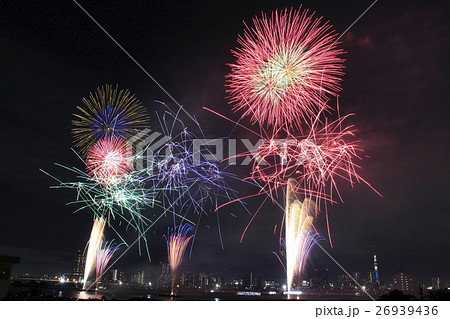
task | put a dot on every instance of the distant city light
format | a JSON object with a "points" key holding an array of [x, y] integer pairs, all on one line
{"points": [[248, 293], [293, 292]]}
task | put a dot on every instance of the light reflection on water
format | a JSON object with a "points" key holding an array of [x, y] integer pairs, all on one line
{"points": [[85, 295]]}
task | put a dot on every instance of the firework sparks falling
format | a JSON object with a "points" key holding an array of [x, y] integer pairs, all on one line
{"points": [[286, 66], [300, 234], [180, 164], [106, 113], [94, 244], [316, 161], [123, 202], [177, 242], [109, 160], [105, 252]]}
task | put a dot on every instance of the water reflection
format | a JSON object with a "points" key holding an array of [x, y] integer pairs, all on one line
{"points": [[86, 295]]}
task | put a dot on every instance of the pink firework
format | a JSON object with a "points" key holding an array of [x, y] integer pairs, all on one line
{"points": [[286, 66], [315, 161], [109, 161]]}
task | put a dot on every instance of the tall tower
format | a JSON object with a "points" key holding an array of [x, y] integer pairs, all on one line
{"points": [[375, 268], [79, 266]]}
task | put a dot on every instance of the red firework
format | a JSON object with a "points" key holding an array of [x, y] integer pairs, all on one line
{"points": [[109, 161], [315, 161], [286, 66]]}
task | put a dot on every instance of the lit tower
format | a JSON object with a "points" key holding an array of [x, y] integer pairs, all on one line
{"points": [[375, 268]]}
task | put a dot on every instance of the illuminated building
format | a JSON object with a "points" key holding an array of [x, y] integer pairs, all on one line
{"points": [[139, 278], [248, 280], [403, 282], [114, 274], [165, 278], [345, 282], [436, 283], [79, 266], [203, 280]]}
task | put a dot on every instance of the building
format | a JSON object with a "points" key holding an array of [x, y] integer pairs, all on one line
{"points": [[188, 280], [248, 280], [6, 263], [139, 278], [345, 282], [436, 283], [269, 284], [203, 280], [404, 283], [78, 270], [165, 279], [114, 274], [319, 279]]}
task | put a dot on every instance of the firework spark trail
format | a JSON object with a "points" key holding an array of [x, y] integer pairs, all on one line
{"points": [[121, 200], [179, 162], [105, 252], [177, 241], [318, 244], [286, 66], [315, 160], [299, 233], [147, 229], [110, 187], [125, 201], [94, 244], [109, 160], [108, 112]]}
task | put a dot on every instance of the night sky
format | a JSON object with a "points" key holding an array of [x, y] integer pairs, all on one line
{"points": [[53, 55]]}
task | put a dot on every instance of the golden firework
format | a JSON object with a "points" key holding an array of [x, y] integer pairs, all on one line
{"points": [[106, 113]]}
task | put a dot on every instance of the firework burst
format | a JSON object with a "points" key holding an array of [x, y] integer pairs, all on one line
{"points": [[94, 244], [106, 113], [182, 169], [316, 161], [286, 66], [124, 202], [177, 242], [300, 234], [105, 253], [109, 161]]}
